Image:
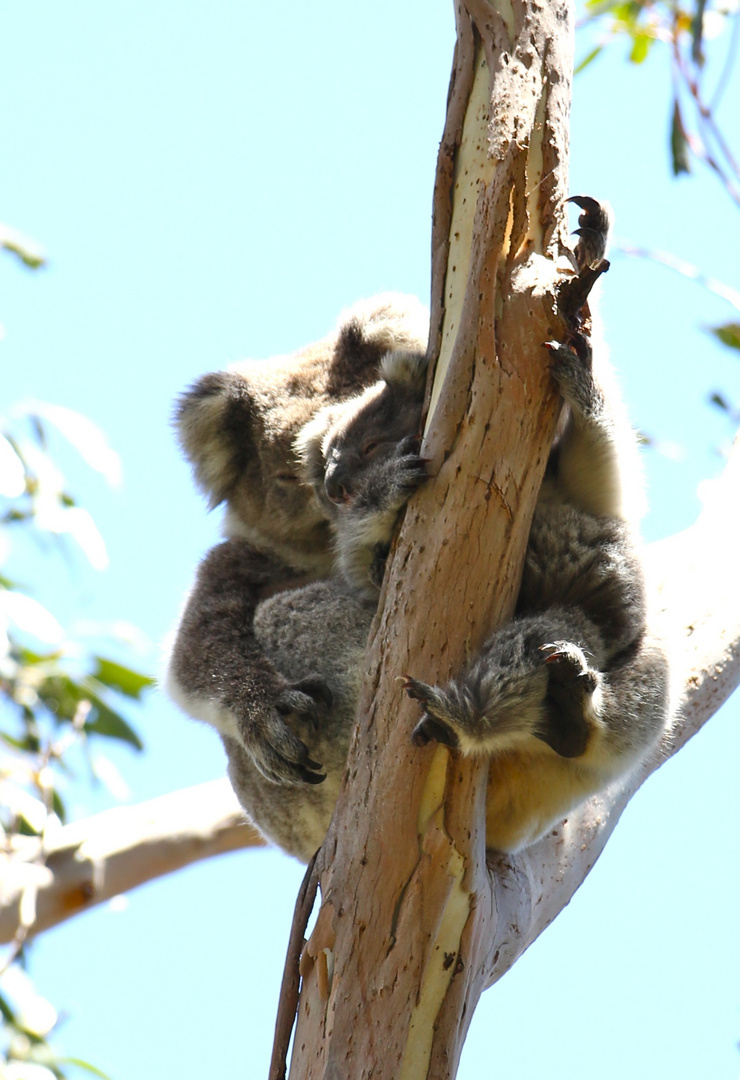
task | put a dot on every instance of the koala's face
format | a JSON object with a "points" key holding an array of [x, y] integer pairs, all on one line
{"points": [[365, 435], [271, 505]]}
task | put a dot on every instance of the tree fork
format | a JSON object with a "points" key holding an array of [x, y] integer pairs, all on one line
{"points": [[404, 943]]}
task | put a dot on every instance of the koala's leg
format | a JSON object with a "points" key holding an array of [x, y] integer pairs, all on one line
{"points": [[532, 680], [528, 793], [577, 560], [218, 672], [594, 463], [558, 728]]}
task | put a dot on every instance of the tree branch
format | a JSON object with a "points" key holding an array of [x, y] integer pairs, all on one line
{"points": [[95, 859]]}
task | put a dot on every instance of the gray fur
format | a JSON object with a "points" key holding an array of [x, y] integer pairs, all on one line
{"points": [[315, 634], [363, 458], [238, 428], [569, 696], [564, 700]]}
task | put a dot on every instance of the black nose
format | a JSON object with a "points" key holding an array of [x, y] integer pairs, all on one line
{"points": [[334, 487]]}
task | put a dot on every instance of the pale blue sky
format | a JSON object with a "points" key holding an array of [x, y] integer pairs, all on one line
{"points": [[219, 180]]}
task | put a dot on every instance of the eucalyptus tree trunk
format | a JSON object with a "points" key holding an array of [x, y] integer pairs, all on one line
{"points": [[407, 934]]}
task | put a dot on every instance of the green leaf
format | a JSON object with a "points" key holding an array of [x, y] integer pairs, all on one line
{"points": [[62, 696], [29, 253], [679, 143], [588, 58], [105, 721], [80, 1064], [6, 1011], [640, 47], [123, 679], [58, 806], [729, 334], [721, 403]]}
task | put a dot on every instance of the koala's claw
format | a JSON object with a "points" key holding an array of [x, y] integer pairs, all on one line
{"points": [[270, 739], [577, 350], [306, 699], [594, 223], [282, 757], [412, 467], [567, 664], [432, 727]]}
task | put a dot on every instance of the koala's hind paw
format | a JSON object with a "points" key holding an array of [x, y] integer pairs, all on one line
{"points": [[568, 666], [433, 726], [593, 232], [571, 368], [569, 708]]}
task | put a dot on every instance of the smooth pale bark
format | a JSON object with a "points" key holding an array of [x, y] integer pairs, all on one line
{"points": [[42, 883]]}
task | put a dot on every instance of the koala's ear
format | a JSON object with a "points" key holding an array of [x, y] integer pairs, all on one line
{"points": [[405, 369], [368, 330], [309, 446], [215, 423]]}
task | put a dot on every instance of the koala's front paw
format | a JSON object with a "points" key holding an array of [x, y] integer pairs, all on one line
{"points": [[595, 222], [570, 703], [410, 467], [571, 368], [273, 745], [434, 725]]}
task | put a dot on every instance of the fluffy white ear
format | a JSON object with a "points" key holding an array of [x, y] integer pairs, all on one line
{"points": [[390, 320], [214, 425], [309, 445], [403, 368]]}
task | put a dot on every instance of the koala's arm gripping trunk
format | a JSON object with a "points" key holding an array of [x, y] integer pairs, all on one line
{"points": [[218, 671]]}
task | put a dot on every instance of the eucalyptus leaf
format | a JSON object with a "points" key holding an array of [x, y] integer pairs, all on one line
{"points": [[80, 1064], [123, 679], [729, 334], [106, 721], [588, 58]]}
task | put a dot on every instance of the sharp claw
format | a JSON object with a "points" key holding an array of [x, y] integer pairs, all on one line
{"points": [[430, 730], [586, 202], [314, 778], [412, 687], [420, 736]]}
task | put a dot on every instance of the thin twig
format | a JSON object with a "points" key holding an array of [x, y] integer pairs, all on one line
{"points": [[288, 1003]]}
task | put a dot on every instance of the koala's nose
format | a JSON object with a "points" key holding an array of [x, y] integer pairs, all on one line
{"points": [[334, 487]]}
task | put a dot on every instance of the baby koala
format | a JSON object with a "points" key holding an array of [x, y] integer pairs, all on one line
{"points": [[362, 458]]}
